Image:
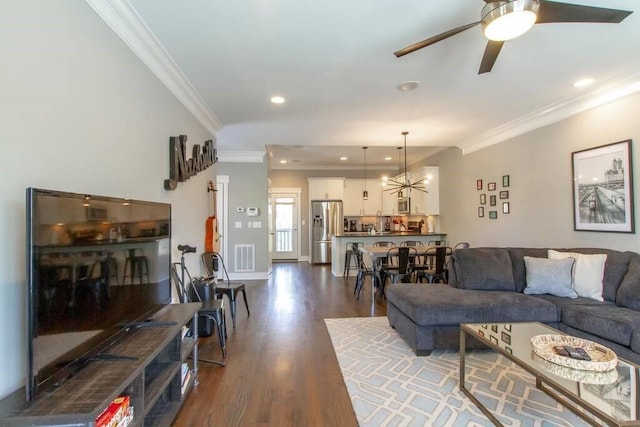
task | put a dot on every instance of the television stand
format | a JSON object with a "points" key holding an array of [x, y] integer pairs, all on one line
{"points": [[145, 365], [145, 324]]}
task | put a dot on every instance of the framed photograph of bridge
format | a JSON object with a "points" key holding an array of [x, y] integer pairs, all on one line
{"points": [[603, 188]]}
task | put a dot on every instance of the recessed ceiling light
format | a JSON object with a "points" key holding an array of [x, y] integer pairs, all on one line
{"points": [[387, 158], [408, 85], [584, 82], [343, 158], [283, 161], [277, 100]]}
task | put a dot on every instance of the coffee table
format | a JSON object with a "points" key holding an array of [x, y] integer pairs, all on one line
{"points": [[599, 398]]}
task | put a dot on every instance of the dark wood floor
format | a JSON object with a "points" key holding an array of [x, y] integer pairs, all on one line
{"points": [[281, 369]]}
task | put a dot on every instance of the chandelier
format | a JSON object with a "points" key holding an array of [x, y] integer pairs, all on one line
{"points": [[395, 186]]}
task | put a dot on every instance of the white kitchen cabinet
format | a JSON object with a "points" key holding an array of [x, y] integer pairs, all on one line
{"points": [[326, 188], [389, 202], [354, 205], [426, 203], [352, 201]]}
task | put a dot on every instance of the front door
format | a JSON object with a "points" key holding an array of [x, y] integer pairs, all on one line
{"points": [[285, 226]]}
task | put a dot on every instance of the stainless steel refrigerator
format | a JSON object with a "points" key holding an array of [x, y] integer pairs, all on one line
{"points": [[326, 220]]}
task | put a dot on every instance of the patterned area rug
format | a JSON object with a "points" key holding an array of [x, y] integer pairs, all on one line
{"points": [[390, 386]]}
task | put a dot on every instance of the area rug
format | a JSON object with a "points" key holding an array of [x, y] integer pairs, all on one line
{"points": [[390, 386]]}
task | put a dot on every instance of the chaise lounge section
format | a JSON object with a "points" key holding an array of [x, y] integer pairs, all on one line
{"points": [[494, 285]]}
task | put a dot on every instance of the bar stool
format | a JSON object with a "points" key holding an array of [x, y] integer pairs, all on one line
{"points": [[349, 254], [137, 264]]}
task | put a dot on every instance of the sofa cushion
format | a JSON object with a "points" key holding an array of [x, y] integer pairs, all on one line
{"points": [[588, 272], [517, 264], [629, 290], [609, 321], [486, 269], [549, 276], [561, 302], [439, 304], [615, 268], [635, 340]]}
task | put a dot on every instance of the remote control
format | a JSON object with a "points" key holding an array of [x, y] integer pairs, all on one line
{"points": [[583, 353], [560, 351], [572, 352]]}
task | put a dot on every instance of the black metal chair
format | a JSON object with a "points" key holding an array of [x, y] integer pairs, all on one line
{"points": [[212, 309], [348, 256], [438, 272], [228, 288], [365, 271], [400, 266]]}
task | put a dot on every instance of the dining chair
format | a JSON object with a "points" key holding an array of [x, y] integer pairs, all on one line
{"points": [[229, 288], [349, 255], [400, 267], [212, 309], [438, 271], [365, 271]]}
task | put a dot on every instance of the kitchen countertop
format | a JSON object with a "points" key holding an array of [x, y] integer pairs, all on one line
{"points": [[385, 233]]}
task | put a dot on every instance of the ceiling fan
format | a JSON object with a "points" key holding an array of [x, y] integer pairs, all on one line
{"points": [[508, 19]]}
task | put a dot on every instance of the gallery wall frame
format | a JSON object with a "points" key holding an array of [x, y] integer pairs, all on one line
{"points": [[603, 188]]}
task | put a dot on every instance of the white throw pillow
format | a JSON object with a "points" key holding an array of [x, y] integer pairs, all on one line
{"points": [[588, 272]]}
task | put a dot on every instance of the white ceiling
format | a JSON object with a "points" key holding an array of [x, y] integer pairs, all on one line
{"points": [[333, 62]]}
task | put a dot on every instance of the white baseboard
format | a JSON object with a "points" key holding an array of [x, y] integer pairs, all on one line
{"points": [[261, 275], [303, 258]]}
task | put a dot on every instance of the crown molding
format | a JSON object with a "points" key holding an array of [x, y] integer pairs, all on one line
{"points": [[608, 91], [241, 156], [131, 28]]}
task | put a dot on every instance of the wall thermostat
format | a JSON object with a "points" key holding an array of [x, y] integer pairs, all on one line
{"points": [[253, 211]]}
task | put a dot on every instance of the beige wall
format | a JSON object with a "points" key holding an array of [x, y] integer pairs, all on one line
{"points": [[539, 164], [80, 113]]}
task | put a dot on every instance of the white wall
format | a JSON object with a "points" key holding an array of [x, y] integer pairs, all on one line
{"points": [[540, 194], [79, 112]]}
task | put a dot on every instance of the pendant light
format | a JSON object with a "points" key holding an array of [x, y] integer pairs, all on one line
{"points": [[365, 193], [399, 186], [399, 171]]}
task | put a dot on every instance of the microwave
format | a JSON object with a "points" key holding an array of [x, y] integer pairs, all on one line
{"points": [[404, 205]]}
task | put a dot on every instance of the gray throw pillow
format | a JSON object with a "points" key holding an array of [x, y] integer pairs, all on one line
{"points": [[549, 276]]}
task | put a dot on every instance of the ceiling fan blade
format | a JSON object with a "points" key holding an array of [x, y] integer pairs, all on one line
{"points": [[551, 11], [434, 39], [490, 55]]}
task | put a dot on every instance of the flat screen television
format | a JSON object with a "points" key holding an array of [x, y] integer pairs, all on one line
{"points": [[97, 267]]}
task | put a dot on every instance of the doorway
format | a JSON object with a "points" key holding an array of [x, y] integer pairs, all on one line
{"points": [[222, 199], [285, 239]]}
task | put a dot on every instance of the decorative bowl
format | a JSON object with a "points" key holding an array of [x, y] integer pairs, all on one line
{"points": [[602, 358]]}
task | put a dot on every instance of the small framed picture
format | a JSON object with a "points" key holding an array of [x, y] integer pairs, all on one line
{"points": [[484, 326], [492, 200], [494, 328], [506, 338], [481, 333], [493, 214], [508, 350], [491, 186], [493, 339], [481, 212], [504, 194], [478, 184], [483, 199], [505, 208], [505, 180], [507, 327]]}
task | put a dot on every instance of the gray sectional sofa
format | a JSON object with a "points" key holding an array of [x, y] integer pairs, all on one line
{"points": [[489, 285]]}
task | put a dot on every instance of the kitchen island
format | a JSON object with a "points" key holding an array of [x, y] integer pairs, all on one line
{"points": [[339, 244]]}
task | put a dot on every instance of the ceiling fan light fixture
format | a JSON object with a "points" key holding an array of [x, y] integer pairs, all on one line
{"points": [[506, 20]]}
